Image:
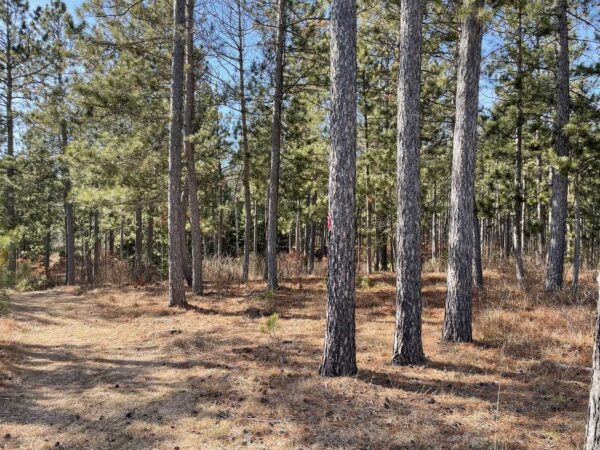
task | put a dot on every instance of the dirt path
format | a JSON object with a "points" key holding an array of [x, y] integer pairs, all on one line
{"points": [[116, 369]]}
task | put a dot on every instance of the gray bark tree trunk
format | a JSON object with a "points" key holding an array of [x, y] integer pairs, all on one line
{"points": [[175, 216], [592, 439], [518, 180], [477, 263], [97, 246], [149, 237], [457, 317], [189, 130], [367, 180], [312, 236], [339, 353], [272, 281], [137, 268], [558, 220], [185, 257], [245, 149], [577, 250], [408, 346], [10, 145]]}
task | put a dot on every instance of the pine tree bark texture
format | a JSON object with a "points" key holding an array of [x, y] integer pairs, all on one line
{"points": [[339, 353], [558, 214], [197, 281], [457, 318], [272, 281], [408, 346], [592, 439], [175, 224]]}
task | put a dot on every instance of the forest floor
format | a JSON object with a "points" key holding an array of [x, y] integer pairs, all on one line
{"points": [[115, 368]]}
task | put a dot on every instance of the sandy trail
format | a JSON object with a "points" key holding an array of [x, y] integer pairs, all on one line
{"points": [[117, 369]]}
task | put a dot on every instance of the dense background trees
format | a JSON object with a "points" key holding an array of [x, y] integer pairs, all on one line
{"points": [[86, 131]]}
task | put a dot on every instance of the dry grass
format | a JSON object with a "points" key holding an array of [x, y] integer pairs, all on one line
{"points": [[117, 369]]}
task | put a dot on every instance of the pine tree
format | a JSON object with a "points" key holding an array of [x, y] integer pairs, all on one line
{"points": [[408, 347], [339, 353], [457, 318]]}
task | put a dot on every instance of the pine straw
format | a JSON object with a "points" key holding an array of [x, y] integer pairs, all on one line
{"points": [[117, 369]]}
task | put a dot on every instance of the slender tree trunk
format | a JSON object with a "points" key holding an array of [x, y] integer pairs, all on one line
{"points": [[189, 130], [457, 319], [408, 346], [111, 242], [518, 180], [121, 239], [10, 147], [245, 149], [298, 228], [272, 281], [312, 237], [176, 289], [558, 221], [97, 246], [367, 177], [220, 214], [541, 214], [137, 271], [477, 265], [150, 237], [255, 228], [339, 353], [185, 257], [577, 250], [434, 249], [592, 439], [68, 205]]}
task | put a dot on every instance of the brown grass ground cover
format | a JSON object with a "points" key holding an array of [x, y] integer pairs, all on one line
{"points": [[114, 368]]}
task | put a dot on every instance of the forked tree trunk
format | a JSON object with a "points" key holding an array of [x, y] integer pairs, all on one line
{"points": [[271, 262], [408, 346], [558, 220], [339, 353], [197, 282], [457, 318], [175, 216], [592, 439]]}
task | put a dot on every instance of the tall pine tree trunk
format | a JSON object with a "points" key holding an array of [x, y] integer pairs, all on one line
{"points": [[245, 149], [457, 318], [272, 281], [558, 220], [367, 177], [339, 353], [175, 216], [518, 180], [10, 146], [408, 346], [197, 282]]}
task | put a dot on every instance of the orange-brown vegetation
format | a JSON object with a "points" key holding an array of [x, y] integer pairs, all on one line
{"points": [[115, 368]]}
